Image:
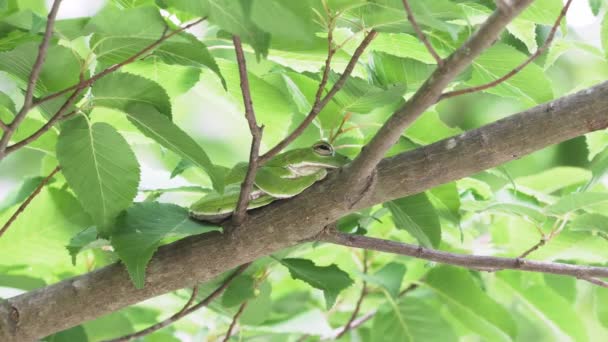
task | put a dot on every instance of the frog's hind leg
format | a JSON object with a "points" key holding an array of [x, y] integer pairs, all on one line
{"points": [[282, 186]]}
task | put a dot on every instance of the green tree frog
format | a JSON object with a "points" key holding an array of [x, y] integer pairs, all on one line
{"points": [[283, 176]]}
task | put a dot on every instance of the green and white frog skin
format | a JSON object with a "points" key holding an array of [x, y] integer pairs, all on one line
{"points": [[284, 176]]}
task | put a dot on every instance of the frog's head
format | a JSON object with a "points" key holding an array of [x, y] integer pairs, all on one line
{"points": [[324, 154], [321, 155]]}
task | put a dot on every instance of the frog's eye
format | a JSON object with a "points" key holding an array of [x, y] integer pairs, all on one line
{"points": [[323, 148]]}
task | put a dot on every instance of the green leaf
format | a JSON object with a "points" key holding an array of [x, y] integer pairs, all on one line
{"points": [[389, 16], [411, 321], [389, 277], [191, 53], [604, 34], [60, 70], [390, 70], [121, 90], [599, 167], [597, 142], [259, 308], [241, 289], [7, 103], [530, 83], [417, 215], [156, 126], [73, 334], [590, 223], [470, 304], [358, 96], [329, 279], [230, 15], [86, 239], [175, 79], [554, 179], [289, 23], [576, 201], [45, 143], [139, 231], [403, 45], [429, 128], [38, 238], [525, 210], [100, 167], [114, 41], [272, 107], [601, 308], [595, 6], [544, 305], [525, 31], [542, 11]]}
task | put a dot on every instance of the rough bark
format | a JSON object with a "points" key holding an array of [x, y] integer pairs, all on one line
{"points": [[286, 223]]}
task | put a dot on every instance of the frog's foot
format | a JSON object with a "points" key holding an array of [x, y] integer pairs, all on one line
{"points": [[212, 218]]}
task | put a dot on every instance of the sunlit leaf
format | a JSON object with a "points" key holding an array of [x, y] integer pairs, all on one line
{"points": [[330, 279], [100, 167], [139, 231]]}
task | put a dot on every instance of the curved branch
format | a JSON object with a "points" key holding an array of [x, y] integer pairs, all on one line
{"points": [[28, 201], [34, 75], [256, 136], [234, 320], [520, 67], [56, 307], [187, 309], [463, 260], [421, 35], [427, 95]]}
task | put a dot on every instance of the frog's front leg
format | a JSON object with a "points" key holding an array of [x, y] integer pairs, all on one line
{"points": [[277, 183]]}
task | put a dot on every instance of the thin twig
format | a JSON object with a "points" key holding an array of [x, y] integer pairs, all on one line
{"points": [[315, 110], [34, 75], [545, 239], [4, 126], [595, 281], [421, 35], [348, 325], [331, 51], [83, 84], [366, 317], [256, 136], [59, 115], [187, 309], [234, 320], [463, 260], [115, 67], [28, 200], [517, 69]]}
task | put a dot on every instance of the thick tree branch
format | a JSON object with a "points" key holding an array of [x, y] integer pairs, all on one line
{"points": [[83, 84], [286, 223], [517, 69], [468, 261], [28, 200], [187, 309], [429, 92], [318, 106], [34, 75], [419, 33], [256, 136]]}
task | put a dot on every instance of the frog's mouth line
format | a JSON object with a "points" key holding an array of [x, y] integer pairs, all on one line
{"points": [[307, 168]]}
